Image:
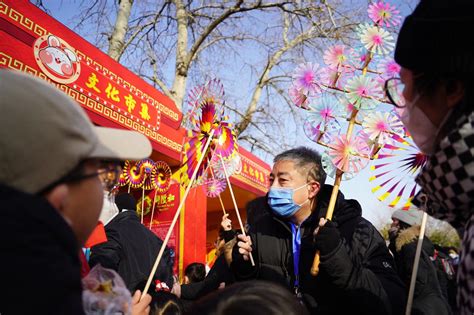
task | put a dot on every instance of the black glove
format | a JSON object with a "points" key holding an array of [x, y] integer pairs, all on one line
{"points": [[328, 238]]}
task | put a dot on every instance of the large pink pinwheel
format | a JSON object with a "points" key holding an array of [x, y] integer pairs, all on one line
{"points": [[333, 78], [214, 186], [306, 78], [381, 126], [376, 39], [394, 170], [363, 92], [338, 58], [223, 143], [388, 68], [210, 92], [347, 155], [384, 13], [298, 97], [233, 165], [322, 119]]}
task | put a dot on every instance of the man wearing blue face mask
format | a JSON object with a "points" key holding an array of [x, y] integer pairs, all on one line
{"points": [[287, 227]]}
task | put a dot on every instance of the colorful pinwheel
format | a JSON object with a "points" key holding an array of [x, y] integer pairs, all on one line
{"points": [[394, 170], [161, 177], [363, 92], [322, 122], [376, 39], [347, 155], [333, 78], [381, 126], [305, 78], [388, 68], [337, 57], [383, 13], [122, 179], [232, 165], [223, 143], [215, 186], [210, 92], [299, 98], [147, 168], [133, 174]]}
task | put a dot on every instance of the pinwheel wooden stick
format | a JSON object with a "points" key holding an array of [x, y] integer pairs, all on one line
{"points": [[419, 245], [219, 195], [143, 203], [335, 190], [153, 208], [176, 216], [235, 204], [222, 205]]}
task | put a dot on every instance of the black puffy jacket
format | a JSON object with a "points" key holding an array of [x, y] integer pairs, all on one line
{"points": [[428, 296], [131, 250], [356, 278], [39, 265]]}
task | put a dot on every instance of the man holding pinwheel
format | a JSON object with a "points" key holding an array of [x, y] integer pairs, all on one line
{"points": [[356, 272]]}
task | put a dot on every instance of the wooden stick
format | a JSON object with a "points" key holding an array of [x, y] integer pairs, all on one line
{"points": [[153, 208], [330, 211], [332, 202], [222, 205], [168, 235], [143, 202], [414, 272], [235, 204]]}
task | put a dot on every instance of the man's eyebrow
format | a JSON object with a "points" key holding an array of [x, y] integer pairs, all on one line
{"points": [[283, 174]]}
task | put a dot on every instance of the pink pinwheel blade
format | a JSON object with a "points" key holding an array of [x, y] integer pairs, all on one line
{"points": [[394, 170]]}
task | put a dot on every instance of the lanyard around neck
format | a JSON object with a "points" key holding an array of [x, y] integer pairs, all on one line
{"points": [[296, 238]]}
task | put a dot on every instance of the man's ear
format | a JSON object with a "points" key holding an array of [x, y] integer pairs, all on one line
{"points": [[314, 188], [454, 93], [58, 198]]}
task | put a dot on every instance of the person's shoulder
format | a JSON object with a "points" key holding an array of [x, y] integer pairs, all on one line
{"points": [[259, 202]]}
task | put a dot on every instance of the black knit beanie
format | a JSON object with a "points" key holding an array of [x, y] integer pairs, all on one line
{"points": [[438, 38]]}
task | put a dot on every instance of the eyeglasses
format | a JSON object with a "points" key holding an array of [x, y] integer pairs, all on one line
{"points": [[394, 91], [108, 173]]}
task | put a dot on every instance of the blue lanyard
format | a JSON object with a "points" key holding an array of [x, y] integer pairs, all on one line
{"points": [[296, 237]]}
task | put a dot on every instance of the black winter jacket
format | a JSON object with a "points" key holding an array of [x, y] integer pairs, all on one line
{"points": [[428, 296], [131, 250], [39, 265], [356, 278]]}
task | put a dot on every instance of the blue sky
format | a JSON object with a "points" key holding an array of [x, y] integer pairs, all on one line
{"points": [[356, 188]]}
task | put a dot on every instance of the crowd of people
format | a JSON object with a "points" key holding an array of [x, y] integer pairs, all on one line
{"points": [[57, 170]]}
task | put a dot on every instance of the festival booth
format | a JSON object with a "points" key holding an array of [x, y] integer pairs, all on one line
{"points": [[32, 41]]}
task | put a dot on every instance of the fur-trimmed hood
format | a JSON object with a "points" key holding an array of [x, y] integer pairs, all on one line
{"points": [[407, 236]]}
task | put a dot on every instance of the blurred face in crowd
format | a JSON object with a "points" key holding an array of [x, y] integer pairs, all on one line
{"points": [[435, 103], [80, 199]]}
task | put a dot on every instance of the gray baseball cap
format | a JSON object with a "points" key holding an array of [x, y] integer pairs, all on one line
{"points": [[45, 134]]}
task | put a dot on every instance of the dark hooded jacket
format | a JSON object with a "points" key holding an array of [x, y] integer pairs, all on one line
{"points": [[429, 297], [131, 249], [358, 277], [39, 265]]}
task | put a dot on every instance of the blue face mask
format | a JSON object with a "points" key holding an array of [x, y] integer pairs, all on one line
{"points": [[281, 201]]}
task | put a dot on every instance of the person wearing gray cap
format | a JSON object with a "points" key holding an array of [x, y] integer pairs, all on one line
{"points": [[53, 165], [437, 83], [430, 296]]}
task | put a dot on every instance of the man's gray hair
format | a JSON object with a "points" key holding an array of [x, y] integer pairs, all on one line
{"points": [[307, 162]]}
